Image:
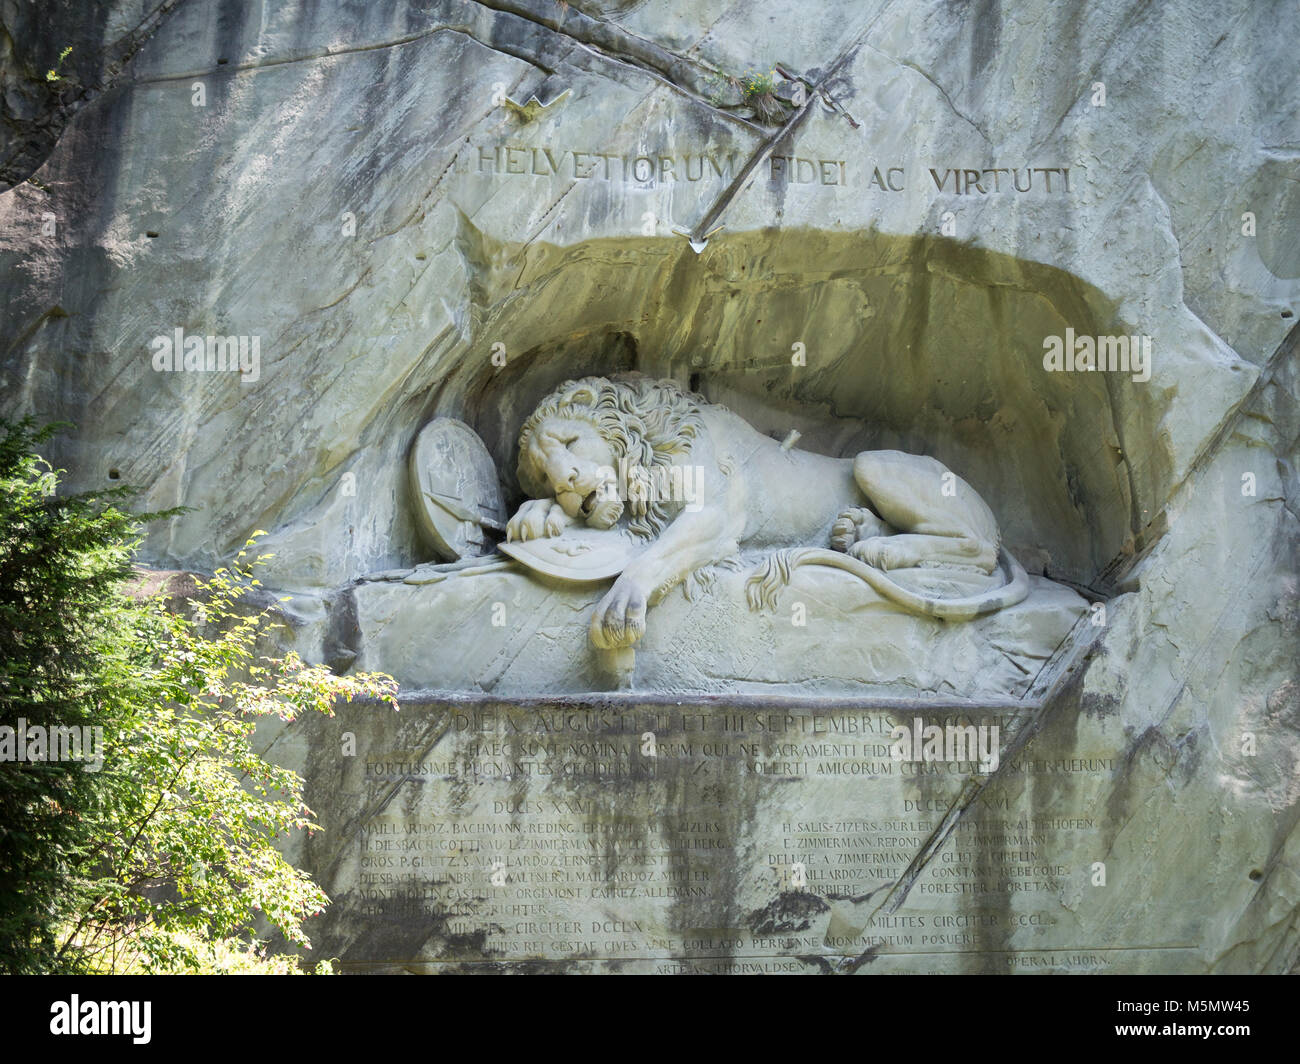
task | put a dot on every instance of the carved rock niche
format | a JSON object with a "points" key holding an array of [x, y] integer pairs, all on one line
{"points": [[918, 345]]}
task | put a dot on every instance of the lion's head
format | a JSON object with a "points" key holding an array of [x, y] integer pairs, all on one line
{"points": [[571, 442]]}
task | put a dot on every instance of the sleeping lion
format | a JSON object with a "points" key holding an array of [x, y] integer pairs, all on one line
{"points": [[879, 511]]}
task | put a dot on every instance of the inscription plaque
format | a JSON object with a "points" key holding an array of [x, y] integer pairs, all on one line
{"points": [[723, 838]]}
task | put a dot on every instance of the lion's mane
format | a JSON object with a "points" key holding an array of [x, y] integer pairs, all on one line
{"points": [[646, 422]]}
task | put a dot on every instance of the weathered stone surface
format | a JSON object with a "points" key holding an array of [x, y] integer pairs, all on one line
{"points": [[850, 641], [355, 192], [760, 836], [55, 57]]}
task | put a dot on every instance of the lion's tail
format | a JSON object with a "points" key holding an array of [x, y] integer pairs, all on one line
{"points": [[766, 583]]}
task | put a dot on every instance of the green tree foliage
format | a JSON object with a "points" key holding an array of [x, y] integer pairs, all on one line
{"points": [[61, 562], [167, 856]]}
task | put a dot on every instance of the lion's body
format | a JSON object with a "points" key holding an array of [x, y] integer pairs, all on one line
{"points": [[791, 497], [883, 509]]}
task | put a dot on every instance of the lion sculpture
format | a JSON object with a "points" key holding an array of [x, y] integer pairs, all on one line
{"points": [[879, 511]]}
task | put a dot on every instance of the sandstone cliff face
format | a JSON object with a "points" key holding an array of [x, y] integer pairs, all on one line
{"points": [[55, 57], [927, 193]]}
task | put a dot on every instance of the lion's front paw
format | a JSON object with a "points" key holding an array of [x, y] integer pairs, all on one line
{"points": [[619, 620], [880, 552], [537, 519]]}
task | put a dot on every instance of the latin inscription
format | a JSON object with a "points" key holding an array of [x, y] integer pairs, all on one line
{"points": [[530, 835], [658, 169]]}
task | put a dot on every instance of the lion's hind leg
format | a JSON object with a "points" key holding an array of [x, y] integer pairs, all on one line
{"points": [[941, 519], [909, 551]]}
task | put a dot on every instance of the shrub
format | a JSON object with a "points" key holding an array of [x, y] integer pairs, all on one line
{"points": [[166, 858]]}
